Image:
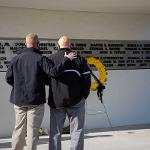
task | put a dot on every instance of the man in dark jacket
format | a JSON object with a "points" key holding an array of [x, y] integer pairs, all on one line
{"points": [[67, 96], [27, 76]]}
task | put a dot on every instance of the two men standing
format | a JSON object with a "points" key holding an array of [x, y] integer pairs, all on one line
{"points": [[69, 79], [27, 75]]}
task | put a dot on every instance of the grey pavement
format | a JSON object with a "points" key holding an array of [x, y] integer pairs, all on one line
{"points": [[138, 139]]}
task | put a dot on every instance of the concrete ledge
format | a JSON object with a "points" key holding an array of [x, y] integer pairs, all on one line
{"points": [[120, 128]]}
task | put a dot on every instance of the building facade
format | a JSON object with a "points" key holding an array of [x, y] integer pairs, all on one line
{"points": [[127, 94]]}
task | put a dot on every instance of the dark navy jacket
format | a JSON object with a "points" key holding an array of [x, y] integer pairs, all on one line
{"points": [[27, 76], [72, 85]]}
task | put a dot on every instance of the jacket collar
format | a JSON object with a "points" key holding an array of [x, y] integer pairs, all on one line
{"points": [[64, 49], [19, 51]]}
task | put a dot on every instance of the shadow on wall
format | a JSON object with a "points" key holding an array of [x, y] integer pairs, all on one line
{"points": [[5, 145]]}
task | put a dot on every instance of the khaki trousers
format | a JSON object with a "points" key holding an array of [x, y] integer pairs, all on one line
{"points": [[28, 122]]}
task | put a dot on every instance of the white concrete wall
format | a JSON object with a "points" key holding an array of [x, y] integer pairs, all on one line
{"points": [[84, 25], [127, 96]]}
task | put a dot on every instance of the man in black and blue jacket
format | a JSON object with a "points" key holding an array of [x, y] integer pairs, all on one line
{"points": [[27, 74], [67, 96]]}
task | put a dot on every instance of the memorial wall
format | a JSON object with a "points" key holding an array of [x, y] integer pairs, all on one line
{"points": [[114, 54]]}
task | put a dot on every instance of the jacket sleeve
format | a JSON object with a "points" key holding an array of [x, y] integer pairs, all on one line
{"points": [[9, 75], [85, 78], [50, 69]]}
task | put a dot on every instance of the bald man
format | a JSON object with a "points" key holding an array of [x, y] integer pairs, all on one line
{"points": [[67, 96], [27, 74]]}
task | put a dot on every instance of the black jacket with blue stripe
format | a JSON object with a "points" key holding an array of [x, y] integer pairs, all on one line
{"points": [[72, 85]]}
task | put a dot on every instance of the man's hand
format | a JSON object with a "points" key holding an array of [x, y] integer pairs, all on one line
{"points": [[71, 55]]}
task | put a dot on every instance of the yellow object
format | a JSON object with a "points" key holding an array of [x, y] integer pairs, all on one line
{"points": [[101, 69], [41, 132]]}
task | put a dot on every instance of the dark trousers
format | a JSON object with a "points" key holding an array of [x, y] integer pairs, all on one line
{"points": [[76, 116]]}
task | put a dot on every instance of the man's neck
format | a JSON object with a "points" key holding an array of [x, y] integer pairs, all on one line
{"points": [[32, 47], [65, 47]]}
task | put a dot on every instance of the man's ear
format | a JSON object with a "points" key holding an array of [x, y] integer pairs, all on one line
{"points": [[58, 46], [38, 44]]}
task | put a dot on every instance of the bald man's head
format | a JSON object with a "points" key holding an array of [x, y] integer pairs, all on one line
{"points": [[64, 42], [32, 40]]}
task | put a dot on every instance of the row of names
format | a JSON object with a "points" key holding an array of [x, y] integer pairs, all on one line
{"points": [[114, 54]]}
